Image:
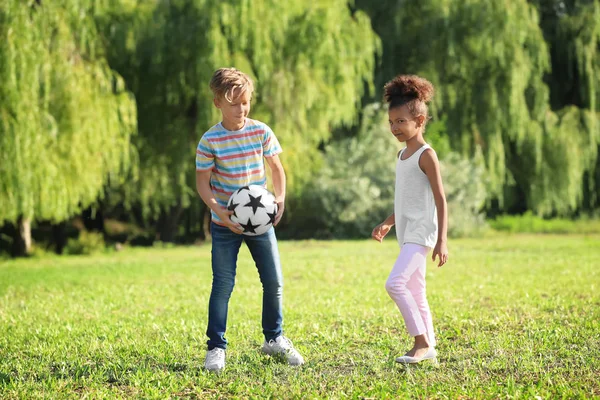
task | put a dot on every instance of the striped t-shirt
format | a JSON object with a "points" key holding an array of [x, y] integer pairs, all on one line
{"points": [[235, 158]]}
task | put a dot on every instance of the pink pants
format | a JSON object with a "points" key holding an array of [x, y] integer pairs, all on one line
{"points": [[406, 286]]}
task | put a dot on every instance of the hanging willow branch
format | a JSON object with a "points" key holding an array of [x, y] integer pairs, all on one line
{"points": [[490, 63], [65, 119], [311, 61]]}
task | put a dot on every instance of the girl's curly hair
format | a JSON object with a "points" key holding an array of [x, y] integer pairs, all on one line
{"points": [[411, 90]]}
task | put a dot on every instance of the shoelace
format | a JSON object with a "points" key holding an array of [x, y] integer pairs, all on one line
{"points": [[286, 344], [215, 354]]}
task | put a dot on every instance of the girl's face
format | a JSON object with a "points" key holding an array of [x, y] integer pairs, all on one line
{"points": [[403, 125]]}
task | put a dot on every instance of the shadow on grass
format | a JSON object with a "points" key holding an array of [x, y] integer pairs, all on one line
{"points": [[5, 379]]}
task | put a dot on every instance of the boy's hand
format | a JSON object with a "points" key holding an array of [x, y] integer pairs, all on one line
{"points": [[441, 251], [280, 209], [380, 231], [225, 215]]}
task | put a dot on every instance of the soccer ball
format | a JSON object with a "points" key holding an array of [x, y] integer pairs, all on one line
{"points": [[254, 208]]}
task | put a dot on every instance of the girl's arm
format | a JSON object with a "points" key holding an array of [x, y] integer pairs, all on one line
{"points": [[391, 220], [383, 228], [431, 167]]}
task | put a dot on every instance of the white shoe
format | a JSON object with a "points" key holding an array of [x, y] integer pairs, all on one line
{"points": [[430, 355], [284, 347], [215, 359]]}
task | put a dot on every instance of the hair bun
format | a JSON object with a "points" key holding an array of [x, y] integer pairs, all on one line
{"points": [[408, 87]]}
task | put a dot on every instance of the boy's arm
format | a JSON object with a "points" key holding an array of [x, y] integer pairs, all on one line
{"points": [[206, 194], [278, 175], [431, 166]]}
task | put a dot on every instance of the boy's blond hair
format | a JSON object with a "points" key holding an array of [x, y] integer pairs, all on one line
{"points": [[229, 83]]}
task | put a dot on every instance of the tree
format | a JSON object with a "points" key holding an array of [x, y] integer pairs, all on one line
{"points": [[572, 30], [65, 118], [489, 62], [311, 62]]}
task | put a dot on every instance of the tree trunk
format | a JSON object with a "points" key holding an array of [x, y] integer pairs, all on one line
{"points": [[93, 219], [168, 223], [59, 236], [22, 238]]}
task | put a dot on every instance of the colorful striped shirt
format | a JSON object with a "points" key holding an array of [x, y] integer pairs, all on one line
{"points": [[235, 158]]}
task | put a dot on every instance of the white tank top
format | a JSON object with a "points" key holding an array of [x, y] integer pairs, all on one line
{"points": [[414, 205]]}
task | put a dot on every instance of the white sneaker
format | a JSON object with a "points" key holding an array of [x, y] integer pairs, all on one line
{"points": [[430, 355], [284, 347], [215, 359]]}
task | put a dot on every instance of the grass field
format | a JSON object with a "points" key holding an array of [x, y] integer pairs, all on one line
{"points": [[516, 317]]}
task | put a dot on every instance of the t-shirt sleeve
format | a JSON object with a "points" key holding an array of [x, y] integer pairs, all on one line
{"points": [[205, 157], [271, 146]]}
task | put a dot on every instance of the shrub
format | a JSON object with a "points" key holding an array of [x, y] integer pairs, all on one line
{"points": [[87, 243], [466, 193], [354, 190], [530, 223]]}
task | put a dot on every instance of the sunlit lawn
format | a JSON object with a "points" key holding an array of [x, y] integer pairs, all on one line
{"points": [[515, 316]]}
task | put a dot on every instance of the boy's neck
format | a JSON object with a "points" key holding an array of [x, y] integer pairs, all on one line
{"points": [[233, 126]]}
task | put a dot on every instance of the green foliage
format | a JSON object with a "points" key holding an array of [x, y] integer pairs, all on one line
{"points": [[87, 243], [516, 80], [530, 223], [466, 193], [490, 62], [65, 117], [516, 317], [311, 62], [438, 138], [354, 190], [572, 30]]}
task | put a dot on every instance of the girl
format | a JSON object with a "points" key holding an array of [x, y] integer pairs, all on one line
{"points": [[420, 212]]}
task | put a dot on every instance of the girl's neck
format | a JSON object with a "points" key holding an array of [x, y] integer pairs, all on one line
{"points": [[415, 143]]}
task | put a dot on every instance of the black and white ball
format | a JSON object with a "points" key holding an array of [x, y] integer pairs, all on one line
{"points": [[254, 208]]}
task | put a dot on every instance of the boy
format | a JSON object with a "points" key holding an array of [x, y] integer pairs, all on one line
{"points": [[230, 156]]}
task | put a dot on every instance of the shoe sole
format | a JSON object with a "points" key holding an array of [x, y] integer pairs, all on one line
{"points": [[411, 360], [214, 369], [433, 359]]}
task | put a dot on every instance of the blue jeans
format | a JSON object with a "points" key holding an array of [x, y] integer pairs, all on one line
{"points": [[225, 249]]}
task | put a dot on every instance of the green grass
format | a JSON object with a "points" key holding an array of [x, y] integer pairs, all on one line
{"points": [[516, 317]]}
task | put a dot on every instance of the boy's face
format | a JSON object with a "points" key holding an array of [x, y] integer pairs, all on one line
{"points": [[234, 113], [402, 123]]}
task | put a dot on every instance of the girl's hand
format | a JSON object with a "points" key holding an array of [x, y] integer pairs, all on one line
{"points": [[380, 231], [441, 251]]}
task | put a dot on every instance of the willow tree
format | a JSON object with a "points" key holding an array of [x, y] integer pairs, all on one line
{"points": [[572, 30], [490, 62], [311, 62], [65, 119]]}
